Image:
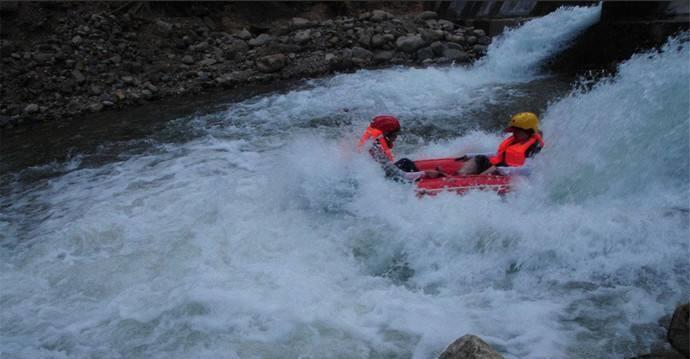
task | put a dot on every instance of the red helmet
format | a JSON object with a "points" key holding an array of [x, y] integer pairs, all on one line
{"points": [[385, 123]]}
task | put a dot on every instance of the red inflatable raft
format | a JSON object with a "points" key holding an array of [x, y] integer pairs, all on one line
{"points": [[458, 183]]}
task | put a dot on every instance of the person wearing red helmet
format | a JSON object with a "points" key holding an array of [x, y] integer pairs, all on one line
{"points": [[381, 134]]}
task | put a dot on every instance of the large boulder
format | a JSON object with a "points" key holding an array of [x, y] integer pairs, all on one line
{"points": [[437, 47], [243, 34], [427, 15], [163, 28], [361, 56], [271, 63], [425, 53], [299, 23], [302, 36], [233, 48], [409, 43], [469, 347], [678, 333], [456, 55], [383, 56], [380, 15], [446, 25], [430, 36], [260, 40], [377, 41]]}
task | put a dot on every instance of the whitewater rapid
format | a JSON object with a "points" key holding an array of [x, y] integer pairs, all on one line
{"points": [[263, 234]]}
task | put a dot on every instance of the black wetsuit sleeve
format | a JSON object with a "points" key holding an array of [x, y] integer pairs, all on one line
{"points": [[390, 169], [533, 150]]}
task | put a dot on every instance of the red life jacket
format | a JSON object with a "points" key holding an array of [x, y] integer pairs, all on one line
{"points": [[513, 153], [376, 135]]}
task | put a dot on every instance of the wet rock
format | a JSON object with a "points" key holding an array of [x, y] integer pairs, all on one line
{"points": [[129, 80], [260, 40], [365, 38], [430, 36], [235, 47], [383, 56], [243, 34], [116, 59], [188, 59], [31, 108], [678, 331], [377, 41], [484, 40], [427, 15], [471, 40], [432, 24], [479, 49], [207, 62], [148, 85], [458, 39], [107, 103], [163, 28], [76, 40], [78, 76], [271, 63], [445, 25], [469, 347], [299, 23], [437, 48], [200, 47], [67, 86], [361, 56], [329, 58], [456, 55], [95, 90], [303, 36], [409, 43], [424, 53], [380, 15], [96, 107], [42, 57], [479, 32], [452, 45]]}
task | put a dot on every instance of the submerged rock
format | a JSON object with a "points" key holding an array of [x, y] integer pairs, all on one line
{"points": [[469, 347], [678, 332]]}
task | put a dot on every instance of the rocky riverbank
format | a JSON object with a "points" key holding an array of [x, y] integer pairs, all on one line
{"points": [[62, 60]]}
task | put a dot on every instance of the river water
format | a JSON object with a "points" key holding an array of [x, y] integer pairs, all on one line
{"points": [[253, 229]]}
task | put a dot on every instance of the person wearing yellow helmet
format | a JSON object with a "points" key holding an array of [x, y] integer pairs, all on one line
{"points": [[525, 141]]}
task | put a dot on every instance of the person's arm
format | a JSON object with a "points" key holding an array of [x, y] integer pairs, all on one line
{"points": [[523, 170]]}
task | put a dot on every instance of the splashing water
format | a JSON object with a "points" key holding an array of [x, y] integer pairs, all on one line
{"points": [[264, 237]]}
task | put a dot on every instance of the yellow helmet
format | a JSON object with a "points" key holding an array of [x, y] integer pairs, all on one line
{"points": [[525, 121]]}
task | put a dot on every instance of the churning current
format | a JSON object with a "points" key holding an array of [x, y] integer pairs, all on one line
{"points": [[263, 234]]}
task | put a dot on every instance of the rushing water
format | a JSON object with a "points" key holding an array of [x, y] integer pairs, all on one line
{"points": [[258, 232]]}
